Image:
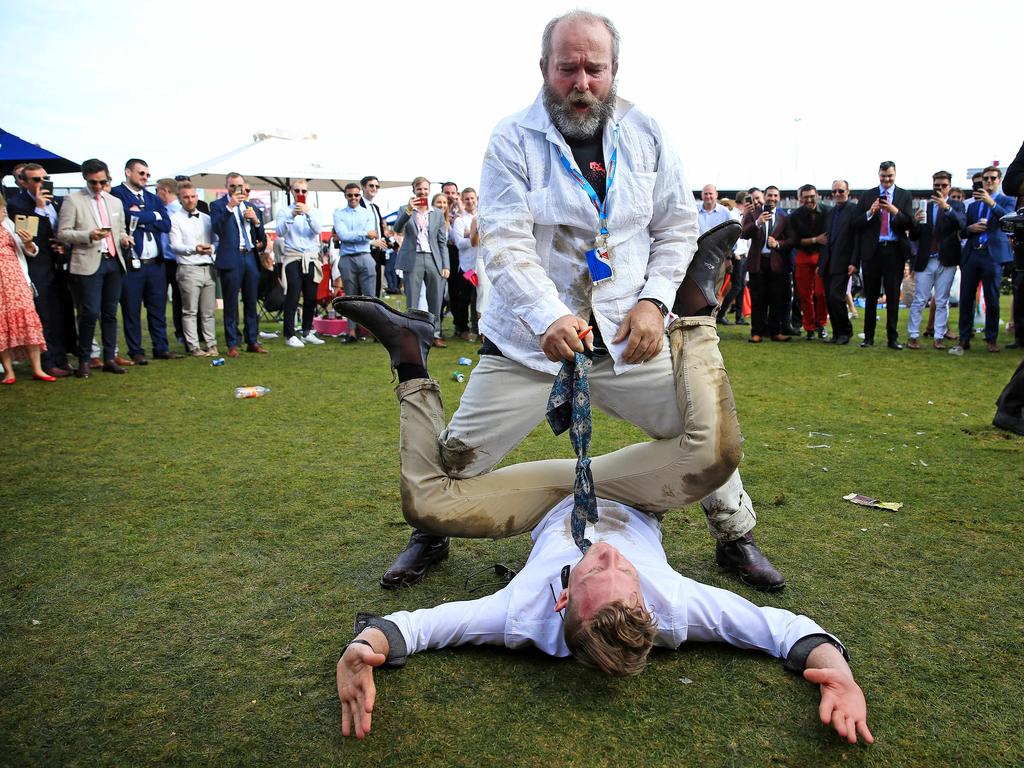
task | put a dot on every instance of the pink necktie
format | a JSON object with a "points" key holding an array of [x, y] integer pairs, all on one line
{"points": [[105, 221]]}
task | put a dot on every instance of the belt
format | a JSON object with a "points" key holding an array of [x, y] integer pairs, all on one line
{"points": [[149, 261]]}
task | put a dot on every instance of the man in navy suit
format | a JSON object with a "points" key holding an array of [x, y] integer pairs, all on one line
{"points": [[884, 225], [983, 257], [938, 254], [146, 278], [47, 268], [835, 265], [238, 227]]}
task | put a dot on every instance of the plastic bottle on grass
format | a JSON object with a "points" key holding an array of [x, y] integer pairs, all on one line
{"points": [[247, 392], [465, 361]]}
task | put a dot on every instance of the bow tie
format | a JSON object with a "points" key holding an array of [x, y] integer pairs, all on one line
{"points": [[194, 215]]}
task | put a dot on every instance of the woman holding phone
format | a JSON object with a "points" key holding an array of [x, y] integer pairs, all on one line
{"points": [[20, 328]]}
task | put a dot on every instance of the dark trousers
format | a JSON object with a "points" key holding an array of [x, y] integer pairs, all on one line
{"points": [[1011, 400], [63, 306], [305, 285], [171, 268], [148, 286], [769, 296], [380, 260], [835, 299], [1018, 305], [737, 282], [462, 301], [979, 269], [885, 268], [48, 301], [391, 273], [96, 296], [244, 278]]}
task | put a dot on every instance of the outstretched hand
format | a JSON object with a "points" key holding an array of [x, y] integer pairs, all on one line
{"points": [[842, 702], [356, 689]]}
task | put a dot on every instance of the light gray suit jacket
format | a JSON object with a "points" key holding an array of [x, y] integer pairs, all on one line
{"points": [[438, 231], [78, 219]]}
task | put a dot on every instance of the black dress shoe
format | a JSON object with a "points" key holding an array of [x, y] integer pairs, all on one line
{"points": [[741, 321], [723, 320], [868, 343], [83, 371], [894, 345], [746, 558], [842, 340], [140, 359], [713, 248], [387, 324], [168, 355], [1009, 422], [111, 367], [1011, 345], [422, 551]]}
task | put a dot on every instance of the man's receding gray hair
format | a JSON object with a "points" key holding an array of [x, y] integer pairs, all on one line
{"points": [[578, 15]]}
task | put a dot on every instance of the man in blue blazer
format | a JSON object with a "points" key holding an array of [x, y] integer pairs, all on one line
{"points": [[146, 278], [238, 228], [983, 257], [938, 255]]}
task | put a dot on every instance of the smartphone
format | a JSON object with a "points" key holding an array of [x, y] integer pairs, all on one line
{"points": [[937, 191], [105, 229], [421, 201], [300, 197], [48, 188], [977, 185], [237, 189]]}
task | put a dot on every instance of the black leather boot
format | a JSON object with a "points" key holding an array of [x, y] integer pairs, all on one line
{"points": [[746, 558], [422, 551]]}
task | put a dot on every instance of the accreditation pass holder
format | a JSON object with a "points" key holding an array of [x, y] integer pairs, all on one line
{"points": [[599, 260]]}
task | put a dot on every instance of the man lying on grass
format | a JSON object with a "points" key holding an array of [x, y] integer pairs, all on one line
{"points": [[607, 609]]}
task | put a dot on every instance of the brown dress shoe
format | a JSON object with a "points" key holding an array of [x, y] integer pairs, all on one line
{"points": [[257, 348], [168, 355], [992, 346], [439, 343], [422, 551], [123, 361], [781, 337], [232, 351], [746, 558], [913, 344], [755, 339], [938, 344], [58, 373], [140, 359], [96, 362], [111, 366]]}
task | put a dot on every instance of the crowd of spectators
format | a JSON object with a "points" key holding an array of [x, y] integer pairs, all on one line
{"points": [[794, 271]]}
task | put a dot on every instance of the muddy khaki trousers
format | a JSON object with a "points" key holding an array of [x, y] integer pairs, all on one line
{"points": [[684, 394]]}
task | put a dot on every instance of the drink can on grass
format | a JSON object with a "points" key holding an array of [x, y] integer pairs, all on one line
{"points": [[217, 361], [458, 376]]}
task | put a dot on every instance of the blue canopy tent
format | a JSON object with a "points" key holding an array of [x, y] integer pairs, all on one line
{"points": [[14, 150]]}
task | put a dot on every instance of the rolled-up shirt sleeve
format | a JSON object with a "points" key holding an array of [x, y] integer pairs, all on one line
{"points": [[468, 622], [507, 240]]}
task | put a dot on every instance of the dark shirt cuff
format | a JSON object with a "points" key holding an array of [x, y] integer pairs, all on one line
{"points": [[796, 662], [398, 651]]}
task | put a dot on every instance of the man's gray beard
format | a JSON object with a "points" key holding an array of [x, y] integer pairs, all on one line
{"points": [[575, 126]]}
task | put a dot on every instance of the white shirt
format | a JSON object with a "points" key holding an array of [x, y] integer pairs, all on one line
{"points": [[186, 233], [460, 236], [742, 246], [536, 223], [523, 614]]}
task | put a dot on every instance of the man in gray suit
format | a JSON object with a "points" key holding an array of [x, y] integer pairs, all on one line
{"points": [[92, 221], [424, 255]]}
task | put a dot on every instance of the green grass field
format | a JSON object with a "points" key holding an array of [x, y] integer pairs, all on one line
{"points": [[180, 569]]}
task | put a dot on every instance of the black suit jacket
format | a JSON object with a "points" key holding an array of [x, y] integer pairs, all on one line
{"points": [[842, 240], [949, 224], [23, 204], [754, 232], [902, 224]]}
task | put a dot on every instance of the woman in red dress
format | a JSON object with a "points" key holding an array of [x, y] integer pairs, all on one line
{"points": [[20, 328]]}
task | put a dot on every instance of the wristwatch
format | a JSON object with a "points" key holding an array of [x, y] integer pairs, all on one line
{"points": [[661, 307]]}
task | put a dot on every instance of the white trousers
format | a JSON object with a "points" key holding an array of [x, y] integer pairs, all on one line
{"points": [[941, 279]]}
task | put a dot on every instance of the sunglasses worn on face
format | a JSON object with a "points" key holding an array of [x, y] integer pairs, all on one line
{"points": [[990, 178], [37, 179], [353, 197], [373, 186], [96, 182]]}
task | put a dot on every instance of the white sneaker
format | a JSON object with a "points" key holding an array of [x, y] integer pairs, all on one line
{"points": [[311, 338], [294, 341], [268, 335]]}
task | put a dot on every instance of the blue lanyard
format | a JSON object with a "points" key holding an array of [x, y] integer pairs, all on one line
{"points": [[601, 206]]}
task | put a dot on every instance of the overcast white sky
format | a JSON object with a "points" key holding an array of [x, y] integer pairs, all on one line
{"points": [[419, 86]]}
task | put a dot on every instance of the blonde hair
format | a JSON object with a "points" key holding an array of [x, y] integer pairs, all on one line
{"points": [[617, 639]]}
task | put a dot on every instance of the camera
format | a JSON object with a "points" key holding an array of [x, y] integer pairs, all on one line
{"points": [[1013, 225]]}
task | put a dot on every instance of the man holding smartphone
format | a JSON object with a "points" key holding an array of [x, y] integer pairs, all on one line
{"points": [[47, 270], [938, 254], [238, 227], [986, 250]]}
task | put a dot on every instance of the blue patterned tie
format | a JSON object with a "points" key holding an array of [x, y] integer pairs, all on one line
{"points": [[569, 408]]}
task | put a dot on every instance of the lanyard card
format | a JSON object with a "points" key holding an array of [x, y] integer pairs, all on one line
{"points": [[599, 262]]}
